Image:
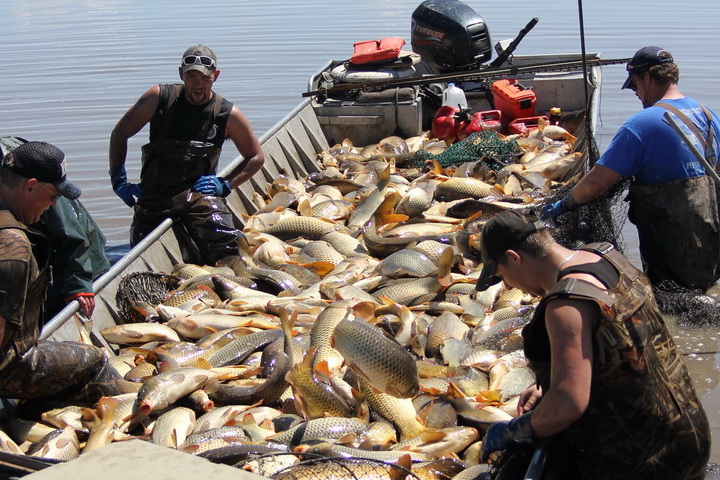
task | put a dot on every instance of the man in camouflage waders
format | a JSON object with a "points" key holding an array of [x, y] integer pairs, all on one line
{"points": [[32, 178]]}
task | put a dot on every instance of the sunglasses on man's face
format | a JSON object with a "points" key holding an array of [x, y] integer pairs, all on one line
{"points": [[198, 60], [53, 195]]}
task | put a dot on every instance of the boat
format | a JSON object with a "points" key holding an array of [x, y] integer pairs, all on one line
{"points": [[569, 81], [291, 148]]}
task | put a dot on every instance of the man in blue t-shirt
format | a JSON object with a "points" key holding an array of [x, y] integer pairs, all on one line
{"points": [[673, 202]]}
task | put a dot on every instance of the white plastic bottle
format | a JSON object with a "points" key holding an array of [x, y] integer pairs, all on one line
{"points": [[454, 96]]}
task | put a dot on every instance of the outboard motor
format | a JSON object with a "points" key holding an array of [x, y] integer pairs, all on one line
{"points": [[450, 36]]}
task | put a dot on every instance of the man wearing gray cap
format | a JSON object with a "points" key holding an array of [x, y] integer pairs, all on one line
{"points": [[32, 178], [188, 124], [673, 199]]}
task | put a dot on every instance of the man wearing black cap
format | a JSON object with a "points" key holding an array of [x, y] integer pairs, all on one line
{"points": [[188, 124], [613, 398], [77, 254], [673, 200], [32, 178]]}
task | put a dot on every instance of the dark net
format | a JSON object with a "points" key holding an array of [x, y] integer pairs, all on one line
{"points": [[486, 147], [693, 308], [147, 287]]}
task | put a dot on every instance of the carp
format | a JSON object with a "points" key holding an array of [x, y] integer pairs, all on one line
{"points": [[380, 360]]}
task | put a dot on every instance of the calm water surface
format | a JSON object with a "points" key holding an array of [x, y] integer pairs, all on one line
{"points": [[72, 67]]}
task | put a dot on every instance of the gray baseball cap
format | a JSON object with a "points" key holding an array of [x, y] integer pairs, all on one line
{"points": [[200, 58]]}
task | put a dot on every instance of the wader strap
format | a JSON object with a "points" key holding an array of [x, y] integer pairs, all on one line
{"points": [[607, 250], [575, 288], [707, 144]]}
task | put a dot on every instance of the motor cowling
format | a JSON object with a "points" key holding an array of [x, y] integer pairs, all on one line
{"points": [[450, 36]]}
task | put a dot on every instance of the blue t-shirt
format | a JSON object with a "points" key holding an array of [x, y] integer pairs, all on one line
{"points": [[651, 151]]}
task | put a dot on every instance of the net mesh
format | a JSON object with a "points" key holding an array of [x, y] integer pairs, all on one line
{"points": [[148, 287], [486, 147]]}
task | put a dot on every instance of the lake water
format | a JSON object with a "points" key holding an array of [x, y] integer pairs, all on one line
{"points": [[72, 67]]}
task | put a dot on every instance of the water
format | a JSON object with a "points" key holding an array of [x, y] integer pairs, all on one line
{"points": [[71, 68]]}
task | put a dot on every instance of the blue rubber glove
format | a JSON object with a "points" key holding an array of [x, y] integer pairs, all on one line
{"points": [[212, 185], [128, 192], [501, 435], [554, 210]]}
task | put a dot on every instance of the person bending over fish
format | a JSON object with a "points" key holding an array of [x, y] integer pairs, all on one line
{"points": [[32, 178], [189, 123], [613, 399]]}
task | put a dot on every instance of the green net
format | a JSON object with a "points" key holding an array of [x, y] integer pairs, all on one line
{"points": [[486, 147]]}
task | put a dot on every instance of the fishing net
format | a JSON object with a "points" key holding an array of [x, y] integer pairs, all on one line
{"points": [[148, 287], [691, 307], [486, 147], [600, 220]]}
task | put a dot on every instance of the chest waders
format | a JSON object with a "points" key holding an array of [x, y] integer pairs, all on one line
{"points": [[643, 414], [31, 369], [170, 167]]}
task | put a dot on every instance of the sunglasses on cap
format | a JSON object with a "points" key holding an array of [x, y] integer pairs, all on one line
{"points": [[199, 60]]}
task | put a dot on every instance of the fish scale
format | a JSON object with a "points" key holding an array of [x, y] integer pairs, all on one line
{"points": [[320, 428], [308, 227], [399, 411], [382, 361], [173, 427], [236, 351]]}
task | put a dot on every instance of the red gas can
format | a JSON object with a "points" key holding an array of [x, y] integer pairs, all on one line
{"points": [[478, 122], [522, 125]]}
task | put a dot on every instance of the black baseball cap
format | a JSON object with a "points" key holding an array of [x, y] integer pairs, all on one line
{"points": [[44, 162], [645, 58], [504, 231]]}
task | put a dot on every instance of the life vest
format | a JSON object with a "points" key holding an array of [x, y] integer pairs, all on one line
{"points": [[171, 166], [22, 333], [369, 51]]}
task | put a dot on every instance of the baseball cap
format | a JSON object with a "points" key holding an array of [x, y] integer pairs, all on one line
{"points": [[44, 162], [645, 58], [504, 231], [200, 58]]}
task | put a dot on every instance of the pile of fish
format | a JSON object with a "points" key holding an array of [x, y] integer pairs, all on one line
{"points": [[345, 341]]}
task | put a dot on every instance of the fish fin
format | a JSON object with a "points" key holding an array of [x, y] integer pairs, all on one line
{"points": [[321, 268], [432, 391], [322, 370], [455, 392], [384, 212], [364, 310], [444, 265], [405, 462], [437, 168], [541, 123], [203, 363], [347, 439], [164, 366], [432, 436], [304, 208]]}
